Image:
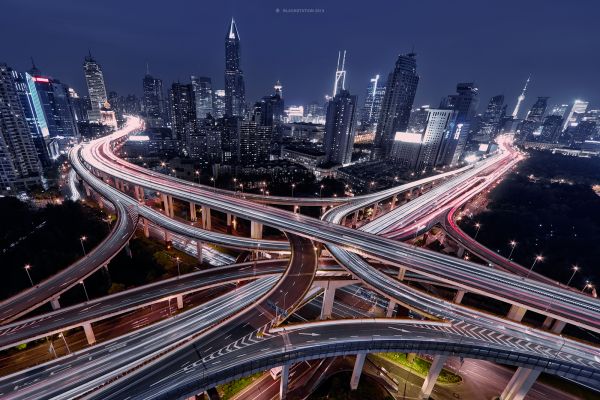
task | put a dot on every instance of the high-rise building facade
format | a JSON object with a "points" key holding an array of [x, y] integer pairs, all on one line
{"points": [[401, 88], [255, 143], [235, 89], [372, 107], [154, 105], [219, 103], [94, 79], [551, 129], [537, 111], [465, 103], [418, 119], [340, 128], [577, 110], [20, 166], [56, 103], [204, 96], [183, 112], [491, 119], [533, 121], [440, 122]]}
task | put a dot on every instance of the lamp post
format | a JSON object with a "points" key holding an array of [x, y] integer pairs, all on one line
{"points": [[214, 182], [575, 269], [84, 290], [513, 244], [321, 190], [177, 260], [293, 186], [81, 240], [478, 226], [27, 266], [587, 285], [64, 340], [537, 258]]}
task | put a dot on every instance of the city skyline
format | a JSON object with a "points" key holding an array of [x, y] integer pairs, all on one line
{"points": [[492, 66]]}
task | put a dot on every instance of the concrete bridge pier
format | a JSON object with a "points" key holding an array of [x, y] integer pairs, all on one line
{"points": [[256, 230], [206, 220], [516, 313], [458, 297], [193, 212], [89, 333], [55, 303], [146, 228], [434, 371], [284, 381], [199, 251], [520, 383], [357, 371], [229, 227], [179, 301]]}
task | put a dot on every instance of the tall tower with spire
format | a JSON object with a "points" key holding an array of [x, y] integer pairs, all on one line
{"points": [[340, 74], [96, 88], [235, 89], [520, 99]]}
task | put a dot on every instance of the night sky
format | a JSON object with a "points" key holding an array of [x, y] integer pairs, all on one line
{"points": [[494, 43]]}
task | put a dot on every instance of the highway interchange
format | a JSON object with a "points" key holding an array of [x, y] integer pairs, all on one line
{"points": [[223, 339]]}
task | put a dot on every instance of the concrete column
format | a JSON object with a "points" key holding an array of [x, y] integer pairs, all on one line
{"points": [[171, 210], [296, 209], [356, 372], [146, 228], [461, 252], [229, 228], [323, 209], [100, 202], [520, 383], [355, 219], [89, 333], [516, 313], [55, 303], [88, 192], [394, 201], [434, 372], [206, 220], [459, 296], [401, 273], [199, 251], [390, 309], [192, 212], [547, 322], [410, 357], [284, 380], [256, 230], [180, 301], [558, 326], [167, 236], [165, 201], [328, 297]]}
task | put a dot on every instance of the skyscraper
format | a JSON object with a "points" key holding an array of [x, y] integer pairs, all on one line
{"points": [[19, 163], [491, 119], [94, 79], [418, 119], [397, 102], [269, 110], [339, 82], [219, 103], [577, 110], [235, 89], [465, 103], [440, 122], [520, 99], [551, 129], [339, 128], [153, 101], [255, 143], [56, 103], [183, 112], [533, 120], [537, 111], [372, 107], [204, 96]]}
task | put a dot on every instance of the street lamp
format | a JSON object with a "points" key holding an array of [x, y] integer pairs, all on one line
{"points": [[293, 186], [587, 285], [478, 226], [242, 187], [575, 269], [212, 179], [537, 258], [81, 240], [60, 335], [321, 190], [198, 176], [27, 266], [177, 260], [85, 291], [513, 244]]}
